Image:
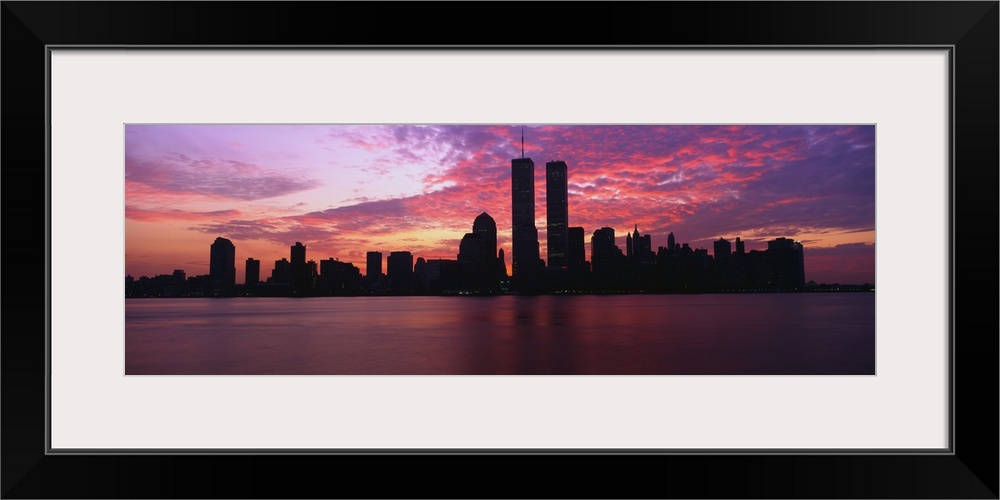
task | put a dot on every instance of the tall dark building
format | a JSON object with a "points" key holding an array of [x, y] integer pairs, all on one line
{"points": [[786, 263], [420, 273], [471, 249], [310, 275], [252, 272], [741, 270], [400, 270], [373, 265], [298, 255], [723, 251], [725, 272], [501, 264], [280, 272], [671, 243], [222, 265], [557, 212], [478, 256], [639, 247], [602, 248], [486, 228], [297, 267], [338, 278], [575, 257], [524, 234]]}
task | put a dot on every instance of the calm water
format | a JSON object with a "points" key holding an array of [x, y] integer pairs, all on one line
{"points": [[507, 335]]}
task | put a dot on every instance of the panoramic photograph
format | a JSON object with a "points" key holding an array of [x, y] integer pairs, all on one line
{"points": [[499, 249]]}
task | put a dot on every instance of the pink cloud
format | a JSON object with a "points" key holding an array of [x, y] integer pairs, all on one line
{"points": [[213, 178]]}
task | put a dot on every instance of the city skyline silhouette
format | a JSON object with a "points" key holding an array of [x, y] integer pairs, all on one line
{"points": [[480, 269], [809, 183]]}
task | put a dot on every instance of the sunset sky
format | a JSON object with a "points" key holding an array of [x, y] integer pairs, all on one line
{"points": [[343, 190]]}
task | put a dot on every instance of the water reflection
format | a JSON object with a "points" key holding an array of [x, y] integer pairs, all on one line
{"points": [[507, 335]]}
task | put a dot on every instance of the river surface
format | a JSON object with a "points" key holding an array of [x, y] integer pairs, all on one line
{"points": [[725, 334]]}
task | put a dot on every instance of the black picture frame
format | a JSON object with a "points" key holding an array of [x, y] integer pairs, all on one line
{"points": [[970, 28]]}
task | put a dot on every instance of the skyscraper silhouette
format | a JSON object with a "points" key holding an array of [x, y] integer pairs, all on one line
{"points": [[557, 213], [222, 266], [399, 267], [575, 257], [636, 239], [523, 231], [786, 263], [280, 272], [486, 228], [723, 250], [602, 249], [470, 249], [373, 266], [338, 278], [639, 246], [478, 256], [724, 270], [252, 275], [501, 264], [297, 268]]}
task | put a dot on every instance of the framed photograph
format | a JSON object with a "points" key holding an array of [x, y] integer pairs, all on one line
{"points": [[785, 198], [421, 283]]}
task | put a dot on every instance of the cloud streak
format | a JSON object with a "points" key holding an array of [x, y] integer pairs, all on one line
{"points": [[214, 178]]}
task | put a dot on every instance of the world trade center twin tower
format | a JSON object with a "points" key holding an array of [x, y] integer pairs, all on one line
{"points": [[527, 266]]}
